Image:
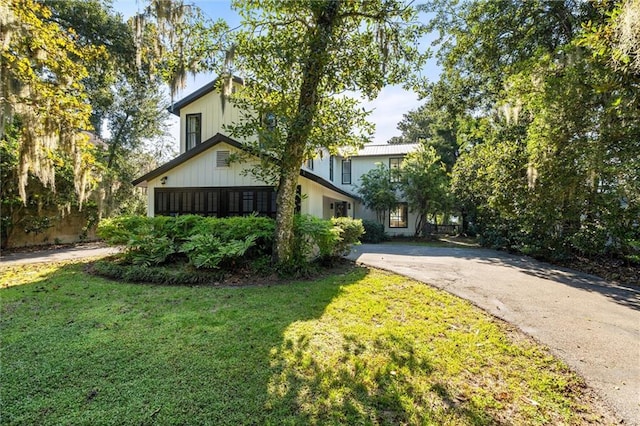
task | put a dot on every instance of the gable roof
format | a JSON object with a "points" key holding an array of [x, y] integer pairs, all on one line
{"points": [[207, 88], [220, 138], [209, 143]]}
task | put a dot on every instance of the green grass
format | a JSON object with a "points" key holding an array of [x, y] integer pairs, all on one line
{"points": [[360, 347]]}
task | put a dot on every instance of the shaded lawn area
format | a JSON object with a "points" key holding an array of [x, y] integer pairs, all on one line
{"points": [[360, 347]]}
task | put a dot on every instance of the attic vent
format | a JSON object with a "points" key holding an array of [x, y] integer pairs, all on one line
{"points": [[222, 158]]}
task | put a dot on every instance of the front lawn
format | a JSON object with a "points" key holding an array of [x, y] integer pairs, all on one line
{"points": [[360, 347]]}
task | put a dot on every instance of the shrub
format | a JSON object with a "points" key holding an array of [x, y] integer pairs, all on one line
{"points": [[148, 249], [314, 237], [373, 232], [118, 230], [350, 232], [207, 251], [206, 241]]}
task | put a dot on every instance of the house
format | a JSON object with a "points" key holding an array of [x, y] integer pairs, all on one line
{"points": [[202, 180]]}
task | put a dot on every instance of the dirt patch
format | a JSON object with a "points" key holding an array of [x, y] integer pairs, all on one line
{"points": [[617, 271]]}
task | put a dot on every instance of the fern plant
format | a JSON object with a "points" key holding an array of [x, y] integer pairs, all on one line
{"points": [[208, 251]]}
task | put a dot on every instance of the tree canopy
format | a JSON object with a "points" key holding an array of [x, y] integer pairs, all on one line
{"points": [[299, 60], [545, 122]]}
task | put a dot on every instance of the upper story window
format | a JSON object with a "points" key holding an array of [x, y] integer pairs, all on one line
{"points": [[310, 164], [194, 130], [346, 172], [331, 159], [395, 164]]}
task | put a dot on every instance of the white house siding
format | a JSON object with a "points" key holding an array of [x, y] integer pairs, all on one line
{"points": [[360, 165], [201, 171], [317, 200], [213, 117]]}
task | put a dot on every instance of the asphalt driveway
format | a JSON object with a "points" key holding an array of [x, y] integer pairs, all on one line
{"points": [[593, 325]]}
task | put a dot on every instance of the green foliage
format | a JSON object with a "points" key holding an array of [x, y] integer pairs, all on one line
{"points": [[546, 122], [373, 232], [315, 237], [378, 190], [319, 240], [311, 52], [425, 184], [207, 251], [351, 230], [207, 242], [148, 249]]}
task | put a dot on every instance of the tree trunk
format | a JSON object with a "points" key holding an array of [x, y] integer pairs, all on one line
{"points": [[313, 70]]}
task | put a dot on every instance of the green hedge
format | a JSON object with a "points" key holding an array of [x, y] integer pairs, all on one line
{"points": [[205, 241], [373, 232], [224, 243]]}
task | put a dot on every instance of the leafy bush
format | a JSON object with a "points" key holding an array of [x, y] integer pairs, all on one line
{"points": [[207, 251], [118, 230], [206, 241], [148, 250], [373, 232], [239, 228], [314, 237], [350, 232]]}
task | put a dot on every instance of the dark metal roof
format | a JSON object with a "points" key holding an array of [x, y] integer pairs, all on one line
{"points": [[215, 140], [207, 88]]}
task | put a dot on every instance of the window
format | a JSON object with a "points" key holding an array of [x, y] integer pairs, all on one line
{"points": [[346, 172], [310, 164], [395, 165], [220, 202], [194, 134], [398, 217], [222, 158], [331, 168]]}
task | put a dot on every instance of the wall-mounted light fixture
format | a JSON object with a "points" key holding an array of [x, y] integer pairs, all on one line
{"points": [[331, 206], [163, 180]]}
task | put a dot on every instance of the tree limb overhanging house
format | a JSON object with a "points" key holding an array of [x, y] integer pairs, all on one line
{"points": [[202, 179]]}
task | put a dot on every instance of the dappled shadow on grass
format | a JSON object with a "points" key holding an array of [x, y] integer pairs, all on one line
{"points": [[81, 349], [324, 375], [357, 347], [360, 390]]}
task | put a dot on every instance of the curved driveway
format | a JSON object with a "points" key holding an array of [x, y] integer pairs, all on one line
{"points": [[593, 325]]}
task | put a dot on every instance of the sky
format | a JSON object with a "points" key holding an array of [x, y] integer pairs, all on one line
{"points": [[387, 109]]}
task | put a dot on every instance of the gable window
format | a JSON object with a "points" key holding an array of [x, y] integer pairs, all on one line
{"points": [[194, 133], [395, 164], [222, 158], [398, 216], [310, 164], [331, 168], [346, 172]]}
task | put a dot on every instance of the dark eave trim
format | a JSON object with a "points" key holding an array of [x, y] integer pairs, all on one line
{"points": [[327, 184], [215, 140], [209, 143], [207, 88]]}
